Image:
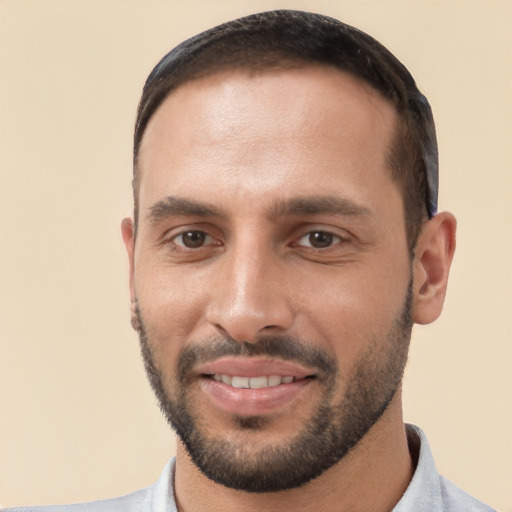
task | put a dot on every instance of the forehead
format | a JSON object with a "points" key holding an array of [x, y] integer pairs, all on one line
{"points": [[238, 123]]}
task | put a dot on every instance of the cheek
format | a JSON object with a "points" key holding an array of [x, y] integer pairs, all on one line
{"points": [[171, 306], [351, 310]]}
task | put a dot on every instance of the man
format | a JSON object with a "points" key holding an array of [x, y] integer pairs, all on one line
{"points": [[285, 239]]}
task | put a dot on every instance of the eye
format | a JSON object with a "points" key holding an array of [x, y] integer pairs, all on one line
{"points": [[319, 239], [193, 239]]}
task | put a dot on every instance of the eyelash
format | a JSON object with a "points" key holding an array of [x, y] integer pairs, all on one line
{"points": [[330, 238], [323, 236], [205, 235]]}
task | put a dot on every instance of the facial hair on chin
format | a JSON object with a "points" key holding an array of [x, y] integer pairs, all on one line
{"points": [[333, 429]]}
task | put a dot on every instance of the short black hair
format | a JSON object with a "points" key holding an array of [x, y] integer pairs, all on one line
{"points": [[278, 39]]}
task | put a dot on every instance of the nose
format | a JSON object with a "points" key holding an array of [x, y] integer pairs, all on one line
{"points": [[250, 297]]}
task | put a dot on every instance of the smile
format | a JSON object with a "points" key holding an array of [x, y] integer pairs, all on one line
{"points": [[253, 382], [248, 386], [255, 395]]}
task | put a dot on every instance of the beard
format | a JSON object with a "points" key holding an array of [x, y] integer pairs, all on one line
{"points": [[332, 429]]}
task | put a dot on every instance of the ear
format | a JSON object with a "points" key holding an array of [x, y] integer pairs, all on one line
{"points": [[127, 230], [433, 257]]}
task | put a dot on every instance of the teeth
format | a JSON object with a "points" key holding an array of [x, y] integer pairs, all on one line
{"points": [[274, 380], [253, 382], [240, 382], [258, 382]]}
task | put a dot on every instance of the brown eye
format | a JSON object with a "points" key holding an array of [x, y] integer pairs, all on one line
{"points": [[319, 239], [192, 239]]}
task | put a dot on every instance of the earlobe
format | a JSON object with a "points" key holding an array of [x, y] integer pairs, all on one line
{"points": [[433, 257]]}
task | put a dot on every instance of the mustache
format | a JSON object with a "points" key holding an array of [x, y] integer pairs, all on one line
{"points": [[281, 347], [287, 348]]}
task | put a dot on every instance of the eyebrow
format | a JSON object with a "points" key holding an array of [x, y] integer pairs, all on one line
{"points": [[172, 206], [309, 205], [312, 205]]}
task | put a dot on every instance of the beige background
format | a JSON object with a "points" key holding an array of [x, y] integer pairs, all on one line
{"points": [[77, 419]]}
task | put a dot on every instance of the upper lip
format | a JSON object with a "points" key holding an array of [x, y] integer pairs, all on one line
{"points": [[254, 367]]}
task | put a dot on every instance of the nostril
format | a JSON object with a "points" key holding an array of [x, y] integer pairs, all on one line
{"points": [[245, 321]]}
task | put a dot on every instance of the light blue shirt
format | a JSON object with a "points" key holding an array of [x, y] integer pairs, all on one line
{"points": [[427, 491]]}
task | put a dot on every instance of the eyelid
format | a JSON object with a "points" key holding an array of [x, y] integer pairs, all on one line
{"points": [[181, 233], [170, 236], [336, 239], [341, 235]]}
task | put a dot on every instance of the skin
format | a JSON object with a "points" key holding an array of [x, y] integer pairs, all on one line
{"points": [[234, 142]]}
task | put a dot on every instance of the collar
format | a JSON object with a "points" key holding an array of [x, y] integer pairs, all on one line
{"points": [[427, 491], [424, 491]]}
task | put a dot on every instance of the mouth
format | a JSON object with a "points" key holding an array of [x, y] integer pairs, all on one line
{"points": [[248, 386], [258, 382]]}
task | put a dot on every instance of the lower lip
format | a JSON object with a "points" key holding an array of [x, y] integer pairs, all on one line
{"points": [[252, 402]]}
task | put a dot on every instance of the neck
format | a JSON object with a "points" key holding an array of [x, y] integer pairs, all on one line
{"points": [[372, 476]]}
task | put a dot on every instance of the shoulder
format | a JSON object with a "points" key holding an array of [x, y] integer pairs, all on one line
{"points": [[428, 491], [455, 499], [130, 502], [158, 497]]}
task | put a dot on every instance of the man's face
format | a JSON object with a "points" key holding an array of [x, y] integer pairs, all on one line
{"points": [[271, 271]]}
